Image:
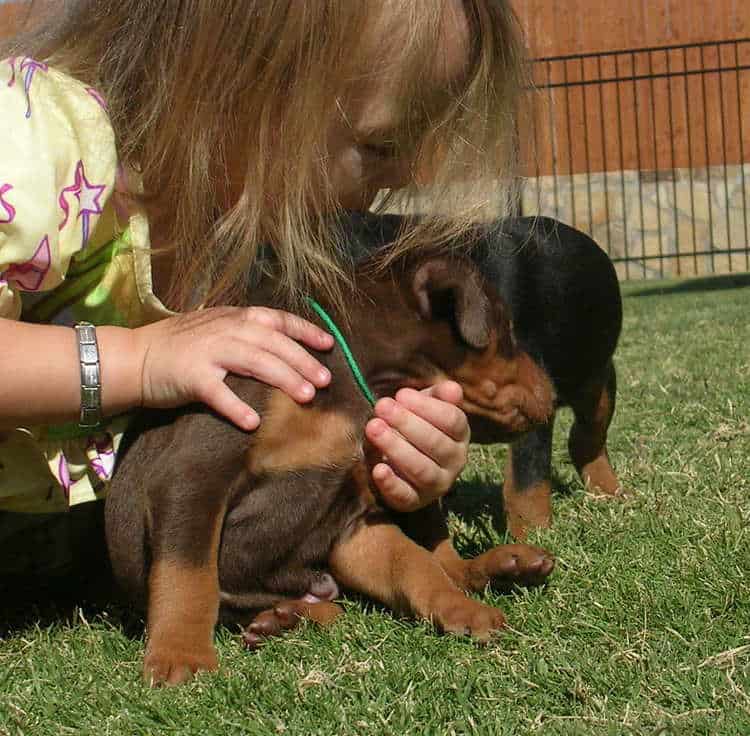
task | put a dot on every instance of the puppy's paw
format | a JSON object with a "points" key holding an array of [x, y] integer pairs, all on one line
{"points": [[457, 614], [172, 665], [511, 564], [599, 478], [287, 615]]}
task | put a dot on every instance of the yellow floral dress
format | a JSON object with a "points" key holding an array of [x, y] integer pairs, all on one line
{"points": [[71, 249]]}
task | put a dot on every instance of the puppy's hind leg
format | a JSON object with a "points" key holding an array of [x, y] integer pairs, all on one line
{"points": [[265, 614], [183, 584], [587, 443], [287, 615]]}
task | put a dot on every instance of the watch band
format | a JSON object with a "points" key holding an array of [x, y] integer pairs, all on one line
{"points": [[91, 389]]}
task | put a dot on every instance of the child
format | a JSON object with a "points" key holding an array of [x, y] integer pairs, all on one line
{"points": [[150, 150]]}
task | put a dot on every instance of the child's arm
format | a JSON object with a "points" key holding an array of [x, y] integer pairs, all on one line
{"points": [[166, 364], [58, 141], [41, 379]]}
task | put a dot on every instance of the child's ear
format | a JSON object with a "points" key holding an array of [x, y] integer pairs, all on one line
{"points": [[451, 288]]}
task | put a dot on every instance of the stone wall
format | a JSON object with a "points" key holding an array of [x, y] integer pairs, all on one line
{"points": [[697, 220]]}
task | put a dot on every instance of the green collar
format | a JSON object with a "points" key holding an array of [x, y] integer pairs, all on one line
{"points": [[350, 359]]}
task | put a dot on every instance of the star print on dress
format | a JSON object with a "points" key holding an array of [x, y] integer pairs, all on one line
{"points": [[29, 276], [87, 195], [10, 210], [101, 452], [28, 68]]}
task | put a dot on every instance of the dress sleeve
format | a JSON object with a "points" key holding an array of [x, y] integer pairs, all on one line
{"points": [[58, 164]]}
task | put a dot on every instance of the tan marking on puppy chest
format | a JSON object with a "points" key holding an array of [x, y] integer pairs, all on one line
{"points": [[296, 437]]}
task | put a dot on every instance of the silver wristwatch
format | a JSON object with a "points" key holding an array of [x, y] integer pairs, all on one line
{"points": [[91, 389]]}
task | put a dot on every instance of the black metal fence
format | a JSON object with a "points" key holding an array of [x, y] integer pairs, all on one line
{"points": [[648, 150]]}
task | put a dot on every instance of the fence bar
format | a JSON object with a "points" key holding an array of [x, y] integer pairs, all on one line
{"points": [[668, 195], [742, 151]]}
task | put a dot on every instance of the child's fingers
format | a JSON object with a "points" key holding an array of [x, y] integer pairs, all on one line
{"points": [[291, 325], [413, 466], [223, 400], [426, 437], [449, 391], [396, 492], [268, 368], [295, 356], [437, 411]]}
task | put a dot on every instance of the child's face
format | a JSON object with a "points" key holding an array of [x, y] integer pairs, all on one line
{"points": [[362, 157]]}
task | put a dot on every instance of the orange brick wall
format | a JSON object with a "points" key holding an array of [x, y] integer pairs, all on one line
{"points": [[686, 120], [581, 26]]}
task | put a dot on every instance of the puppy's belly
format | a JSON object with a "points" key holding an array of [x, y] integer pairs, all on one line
{"points": [[277, 537]]}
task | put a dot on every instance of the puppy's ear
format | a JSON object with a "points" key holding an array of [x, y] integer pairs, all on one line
{"points": [[452, 288]]}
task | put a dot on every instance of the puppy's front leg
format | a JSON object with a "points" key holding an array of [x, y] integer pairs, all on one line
{"points": [[183, 585], [500, 567], [527, 488], [379, 560]]}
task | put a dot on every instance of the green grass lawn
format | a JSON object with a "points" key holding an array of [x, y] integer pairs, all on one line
{"points": [[643, 629]]}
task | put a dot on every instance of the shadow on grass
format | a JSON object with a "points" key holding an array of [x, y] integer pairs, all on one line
{"points": [[64, 600], [479, 503], [82, 586], [472, 499], [476, 497], [711, 283]]}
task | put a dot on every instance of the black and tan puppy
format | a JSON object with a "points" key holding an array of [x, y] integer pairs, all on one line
{"points": [[563, 299], [203, 516]]}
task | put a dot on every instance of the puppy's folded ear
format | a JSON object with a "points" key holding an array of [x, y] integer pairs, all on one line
{"points": [[451, 288]]}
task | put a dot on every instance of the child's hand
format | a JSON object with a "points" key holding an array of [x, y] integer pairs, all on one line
{"points": [[186, 358], [425, 438]]}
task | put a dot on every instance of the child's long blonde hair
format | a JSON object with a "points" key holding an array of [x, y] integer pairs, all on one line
{"points": [[192, 84]]}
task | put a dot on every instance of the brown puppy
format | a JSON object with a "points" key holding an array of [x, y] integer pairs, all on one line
{"points": [[203, 516]]}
